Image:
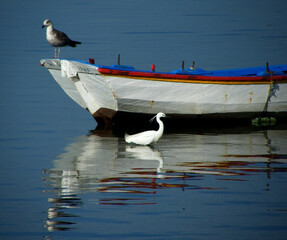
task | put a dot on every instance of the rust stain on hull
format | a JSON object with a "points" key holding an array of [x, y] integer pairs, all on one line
{"points": [[104, 117]]}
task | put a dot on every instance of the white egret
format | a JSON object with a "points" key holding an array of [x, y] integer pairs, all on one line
{"points": [[147, 137], [57, 38]]}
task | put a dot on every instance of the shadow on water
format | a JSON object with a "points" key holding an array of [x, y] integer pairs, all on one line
{"points": [[116, 173], [133, 123]]}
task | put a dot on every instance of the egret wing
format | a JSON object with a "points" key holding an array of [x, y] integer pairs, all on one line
{"points": [[143, 138]]}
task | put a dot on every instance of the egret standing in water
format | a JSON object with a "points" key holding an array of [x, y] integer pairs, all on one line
{"points": [[147, 137]]}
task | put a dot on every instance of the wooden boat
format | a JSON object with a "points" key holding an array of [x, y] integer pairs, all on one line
{"points": [[187, 92]]}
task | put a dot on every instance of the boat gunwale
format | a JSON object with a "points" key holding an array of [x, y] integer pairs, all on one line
{"points": [[185, 76], [190, 78]]}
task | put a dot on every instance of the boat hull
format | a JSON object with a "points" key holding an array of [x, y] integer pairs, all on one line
{"points": [[105, 93]]}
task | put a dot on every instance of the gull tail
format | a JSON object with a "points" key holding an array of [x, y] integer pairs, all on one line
{"points": [[74, 43]]}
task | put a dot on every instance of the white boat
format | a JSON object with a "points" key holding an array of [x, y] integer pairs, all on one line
{"points": [[237, 93]]}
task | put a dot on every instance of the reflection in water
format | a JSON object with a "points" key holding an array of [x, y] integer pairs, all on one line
{"points": [[122, 174], [146, 153], [64, 199]]}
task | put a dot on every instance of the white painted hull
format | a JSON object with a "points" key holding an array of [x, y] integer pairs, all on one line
{"points": [[67, 84], [190, 99], [104, 95]]}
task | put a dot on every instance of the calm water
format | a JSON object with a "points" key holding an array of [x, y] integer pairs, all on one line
{"points": [[59, 180], [190, 186]]}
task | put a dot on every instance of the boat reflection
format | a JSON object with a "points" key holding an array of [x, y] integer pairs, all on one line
{"points": [[117, 173], [65, 198]]}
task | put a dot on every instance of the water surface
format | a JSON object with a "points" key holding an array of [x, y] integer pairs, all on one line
{"points": [[189, 186]]}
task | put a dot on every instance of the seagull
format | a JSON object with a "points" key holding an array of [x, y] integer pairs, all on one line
{"points": [[57, 38], [147, 137]]}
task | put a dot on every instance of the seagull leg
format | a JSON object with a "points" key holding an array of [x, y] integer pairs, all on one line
{"points": [[55, 52], [59, 52]]}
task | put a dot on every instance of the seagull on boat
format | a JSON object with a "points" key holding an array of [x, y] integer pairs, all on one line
{"points": [[147, 137], [57, 38]]}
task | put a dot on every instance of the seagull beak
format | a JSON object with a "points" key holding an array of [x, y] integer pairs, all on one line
{"points": [[43, 26]]}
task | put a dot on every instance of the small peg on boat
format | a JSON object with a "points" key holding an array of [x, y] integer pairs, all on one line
{"points": [[267, 67], [182, 65], [119, 59], [153, 67], [192, 66], [91, 61]]}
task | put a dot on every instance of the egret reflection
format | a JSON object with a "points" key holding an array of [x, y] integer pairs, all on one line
{"points": [[146, 153]]}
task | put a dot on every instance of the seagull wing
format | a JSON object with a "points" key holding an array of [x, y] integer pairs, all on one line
{"points": [[62, 37], [65, 39]]}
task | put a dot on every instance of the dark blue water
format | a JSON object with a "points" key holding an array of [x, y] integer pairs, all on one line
{"points": [[59, 181]]}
